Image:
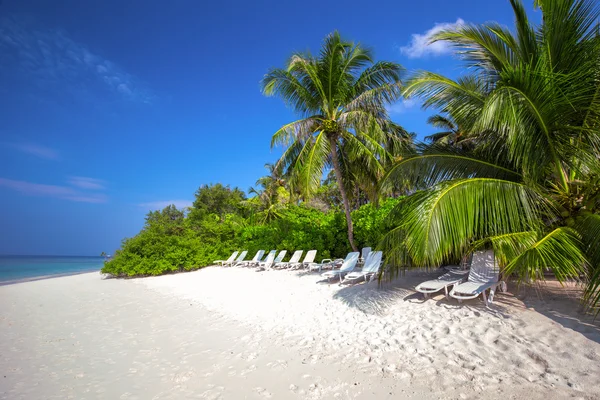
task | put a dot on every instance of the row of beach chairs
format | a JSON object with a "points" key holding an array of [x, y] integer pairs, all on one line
{"points": [[461, 284], [342, 269]]}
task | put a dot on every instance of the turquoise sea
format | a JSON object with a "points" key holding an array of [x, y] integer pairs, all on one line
{"points": [[23, 268]]}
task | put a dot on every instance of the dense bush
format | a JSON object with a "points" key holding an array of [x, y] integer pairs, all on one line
{"points": [[175, 240]]}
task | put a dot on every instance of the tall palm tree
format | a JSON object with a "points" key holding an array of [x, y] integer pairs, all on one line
{"points": [[528, 189], [341, 97]]}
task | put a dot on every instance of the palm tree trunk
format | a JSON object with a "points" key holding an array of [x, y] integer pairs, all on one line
{"points": [[338, 175]]}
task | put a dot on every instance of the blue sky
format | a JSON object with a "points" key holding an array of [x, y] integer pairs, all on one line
{"points": [[113, 108]]}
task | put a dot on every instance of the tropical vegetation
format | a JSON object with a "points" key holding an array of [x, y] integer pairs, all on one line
{"points": [[514, 166], [527, 183]]}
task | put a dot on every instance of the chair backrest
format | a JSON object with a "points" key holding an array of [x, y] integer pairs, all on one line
{"points": [[232, 257], [280, 256], [258, 255], [484, 267], [350, 261], [242, 256], [373, 262], [365, 252], [270, 257], [310, 256], [296, 256], [272, 252]]}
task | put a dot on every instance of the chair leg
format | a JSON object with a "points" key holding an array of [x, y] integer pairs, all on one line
{"points": [[485, 300], [446, 292], [492, 292]]}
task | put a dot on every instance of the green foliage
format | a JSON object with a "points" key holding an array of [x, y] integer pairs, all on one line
{"points": [[527, 183], [372, 222], [216, 199], [172, 241]]}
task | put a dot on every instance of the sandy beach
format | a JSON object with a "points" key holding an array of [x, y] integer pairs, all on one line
{"points": [[231, 333]]}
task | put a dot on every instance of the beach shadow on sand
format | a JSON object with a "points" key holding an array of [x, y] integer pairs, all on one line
{"points": [[561, 304]]}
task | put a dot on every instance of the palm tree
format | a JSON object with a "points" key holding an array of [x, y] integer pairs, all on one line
{"points": [[269, 194], [453, 134], [341, 97], [529, 187]]}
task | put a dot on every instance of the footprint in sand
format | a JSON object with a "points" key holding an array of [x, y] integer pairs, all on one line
{"points": [[263, 392], [248, 370], [182, 376], [211, 395], [278, 365]]}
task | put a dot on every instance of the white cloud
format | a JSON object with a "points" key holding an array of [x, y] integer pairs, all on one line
{"points": [[402, 106], [56, 191], [50, 56], [36, 150], [419, 45], [83, 182], [159, 205]]}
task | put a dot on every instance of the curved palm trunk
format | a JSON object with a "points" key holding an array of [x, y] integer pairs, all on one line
{"points": [[338, 175]]}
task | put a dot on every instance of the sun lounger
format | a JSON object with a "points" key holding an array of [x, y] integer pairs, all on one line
{"points": [[347, 266], [309, 259], [257, 257], [237, 260], [483, 275], [294, 260], [326, 263], [269, 260], [444, 281], [364, 254], [371, 268], [229, 260]]}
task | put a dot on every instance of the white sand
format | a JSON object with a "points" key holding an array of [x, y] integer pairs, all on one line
{"points": [[234, 333]]}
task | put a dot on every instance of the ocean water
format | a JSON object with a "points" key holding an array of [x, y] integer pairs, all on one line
{"points": [[23, 268]]}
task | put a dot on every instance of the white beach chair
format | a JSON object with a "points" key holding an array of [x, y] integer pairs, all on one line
{"points": [[364, 254], [484, 274], [347, 266], [229, 260], [278, 259], [444, 281], [257, 257], [327, 263], [237, 260], [370, 270], [268, 261], [309, 259], [293, 260]]}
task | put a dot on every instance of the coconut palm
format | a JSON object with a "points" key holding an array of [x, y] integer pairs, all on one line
{"points": [[341, 97], [529, 187], [271, 194], [452, 134]]}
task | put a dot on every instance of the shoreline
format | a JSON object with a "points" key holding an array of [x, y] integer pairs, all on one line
{"points": [[45, 277]]}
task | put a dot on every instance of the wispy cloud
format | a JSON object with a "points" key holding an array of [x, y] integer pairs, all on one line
{"points": [[36, 150], [83, 182], [159, 205], [420, 45], [402, 106], [51, 56], [56, 191]]}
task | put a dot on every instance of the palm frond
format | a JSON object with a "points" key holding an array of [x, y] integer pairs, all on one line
{"points": [[441, 222], [297, 130], [442, 164], [559, 251]]}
